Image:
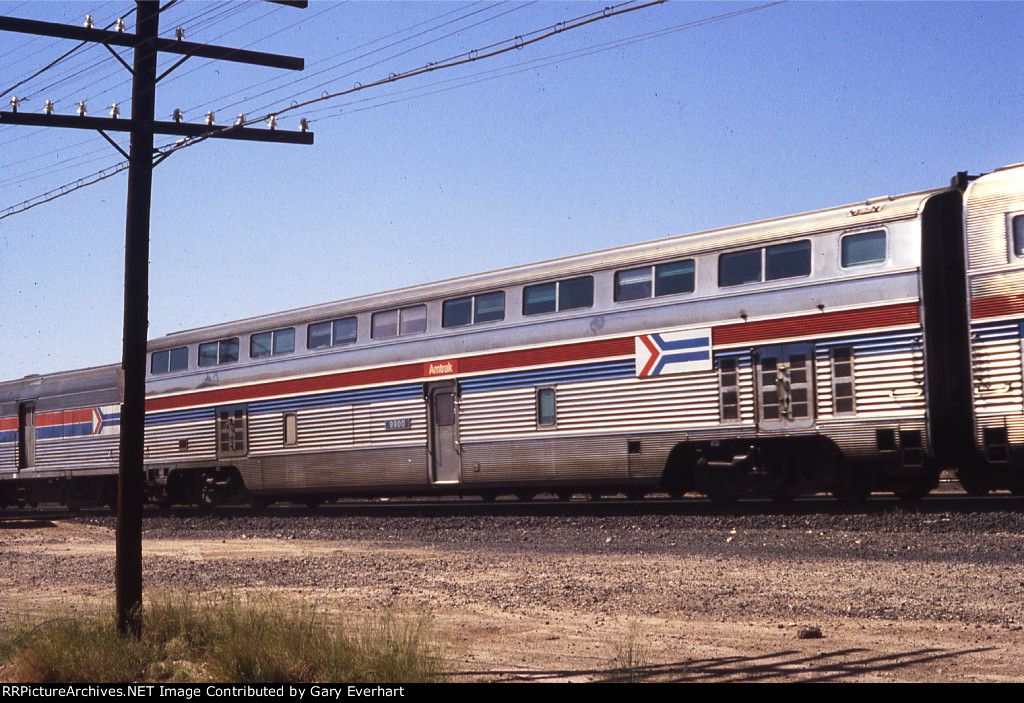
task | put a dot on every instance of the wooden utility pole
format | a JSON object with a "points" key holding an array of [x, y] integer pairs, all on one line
{"points": [[147, 45], [130, 495]]}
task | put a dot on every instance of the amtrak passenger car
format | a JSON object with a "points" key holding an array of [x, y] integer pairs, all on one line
{"points": [[828, 351], [994, 241]]}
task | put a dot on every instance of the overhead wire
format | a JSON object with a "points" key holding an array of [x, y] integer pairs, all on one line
{"points": [[491, 50], [530, 65], [57, 60], [395, 55]]}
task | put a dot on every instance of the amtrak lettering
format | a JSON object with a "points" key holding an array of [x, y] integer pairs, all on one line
{"points": [[440, 368]]}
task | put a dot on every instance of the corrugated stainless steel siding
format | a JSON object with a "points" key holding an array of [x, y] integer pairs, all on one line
{"points": [[996, 365], [998, 283], [163, 442], [8, 457], [341, 427], [857, 439], [620, 405], [888, 376], [355, 469], [88, 452], [578, 458], [989, 200], [1014, 425]]}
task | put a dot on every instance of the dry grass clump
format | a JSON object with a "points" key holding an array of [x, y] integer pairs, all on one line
{"points": [[227, 639]]}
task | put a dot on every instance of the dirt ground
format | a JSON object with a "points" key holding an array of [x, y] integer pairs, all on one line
{"points": [[731, 612]]}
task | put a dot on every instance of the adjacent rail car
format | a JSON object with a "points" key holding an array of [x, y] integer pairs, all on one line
{"points": [[846, 350], [59, 438], [994, 245]]}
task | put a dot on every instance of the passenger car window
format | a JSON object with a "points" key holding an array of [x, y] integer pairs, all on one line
{"points": [[474, 309], [272, 343], [739, 267], [540, 298], [570, 294], [664, 279], [765, 264], [390, 323], [223, 352], [633, 284], [1017, 227], [546, 416], [787, 260], [675, 277], [169, 360], [862, 248]]}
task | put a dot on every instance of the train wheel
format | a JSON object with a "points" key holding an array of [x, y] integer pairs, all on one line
{"points": [[488, 497], [914, 490], [312, 503], [564, 496], [725, 486], [208, 494], [636, 494], [856, 487], [526, 495], [974, 486], [259, 502]]}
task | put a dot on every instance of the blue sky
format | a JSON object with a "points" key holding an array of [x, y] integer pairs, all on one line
{"points": [[786, 109]]}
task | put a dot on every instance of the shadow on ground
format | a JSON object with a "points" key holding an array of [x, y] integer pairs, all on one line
{"points": [[838, 665]]}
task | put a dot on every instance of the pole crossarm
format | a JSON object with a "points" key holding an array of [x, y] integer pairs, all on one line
{"points": [[184, 129], [171, 46]]}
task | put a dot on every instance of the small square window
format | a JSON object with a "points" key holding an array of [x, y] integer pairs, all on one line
{"points": [[260, 345], [633, 284], [413, 320], [384, 324], [863, 248], [540, 298], [787, 260], [284, 341], [739, 267], [576, 293], [489, 307], [318, 335], [345, 331], [457, 312], [673, 278]]}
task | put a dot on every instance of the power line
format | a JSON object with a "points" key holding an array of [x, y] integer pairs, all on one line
{"points": [[67, 54], [466, 57], [460, 59], [532, 64]]}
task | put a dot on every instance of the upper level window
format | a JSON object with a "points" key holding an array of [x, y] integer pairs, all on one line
{"points": [[272, 343], [663, 279], [862, 248], [569, 294], [169, 360], [223, 352], [1017, 225], [472, 310], [329, 334], [765, 264], [390, 323]]}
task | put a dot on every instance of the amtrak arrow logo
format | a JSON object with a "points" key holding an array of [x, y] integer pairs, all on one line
{"points": [[677, 351], [106, 420]]}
